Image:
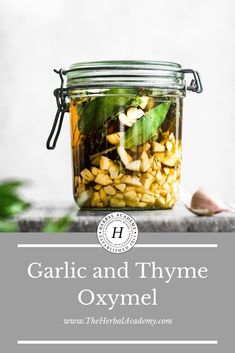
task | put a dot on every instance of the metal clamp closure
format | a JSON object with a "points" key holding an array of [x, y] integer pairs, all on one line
{"points": [[195, 85], [62, 108]]}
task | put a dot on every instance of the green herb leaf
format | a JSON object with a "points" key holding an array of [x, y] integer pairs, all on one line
{"points": [[94, 113], [10, 202], [10, 187], [8, 227], [58, 225], [146, 127]]}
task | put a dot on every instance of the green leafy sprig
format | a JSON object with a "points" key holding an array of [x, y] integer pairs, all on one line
{"points": [[11, 204]]}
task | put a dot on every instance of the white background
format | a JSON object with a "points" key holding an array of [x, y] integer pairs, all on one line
{"points": [[37, 36]]}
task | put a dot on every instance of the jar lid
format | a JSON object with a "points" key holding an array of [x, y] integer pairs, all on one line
{"points": [[126, 73]]}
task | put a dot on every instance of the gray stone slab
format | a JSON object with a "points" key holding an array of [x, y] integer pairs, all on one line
{"points": [[177, 220]]}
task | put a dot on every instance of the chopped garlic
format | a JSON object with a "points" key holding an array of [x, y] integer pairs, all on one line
{"points": [[131, 180], [110, 190], [144, 102], [145, 162], [105, 163], [87, 175], [124, 120], [134, 165], [157, 147], [124, 156], [121, 187], [103, 179], [134, 114]]}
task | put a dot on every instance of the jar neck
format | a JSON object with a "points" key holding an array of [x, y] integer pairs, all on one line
{"points": [[78, 91]]}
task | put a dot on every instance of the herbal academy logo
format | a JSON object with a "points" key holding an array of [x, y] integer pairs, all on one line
{"points": [[117, 232]]}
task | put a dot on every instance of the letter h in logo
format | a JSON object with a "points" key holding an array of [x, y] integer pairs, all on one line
{"points": [[115, 231]]}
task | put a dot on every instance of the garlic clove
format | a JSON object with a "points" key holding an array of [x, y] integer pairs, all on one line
{"points": [[124, 120], [144, 102], [203, 204], [200, 212], [134, 114], [169, 146], [145, 162], [105, 163], [157, 147], [134, 165], [124, 156], [114, 138], [203, 201]]}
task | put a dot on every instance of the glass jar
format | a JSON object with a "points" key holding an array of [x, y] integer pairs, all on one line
{"points": [[126, 129]]}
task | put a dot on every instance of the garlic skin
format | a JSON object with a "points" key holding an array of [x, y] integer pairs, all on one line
{"points": [[203, 204]]}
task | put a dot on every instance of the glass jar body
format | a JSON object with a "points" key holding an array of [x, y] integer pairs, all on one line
{"points": [[126, 147]]}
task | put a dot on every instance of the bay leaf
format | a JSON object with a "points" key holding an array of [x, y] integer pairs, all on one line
{"points": [[146, 127], [94, 114]]}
